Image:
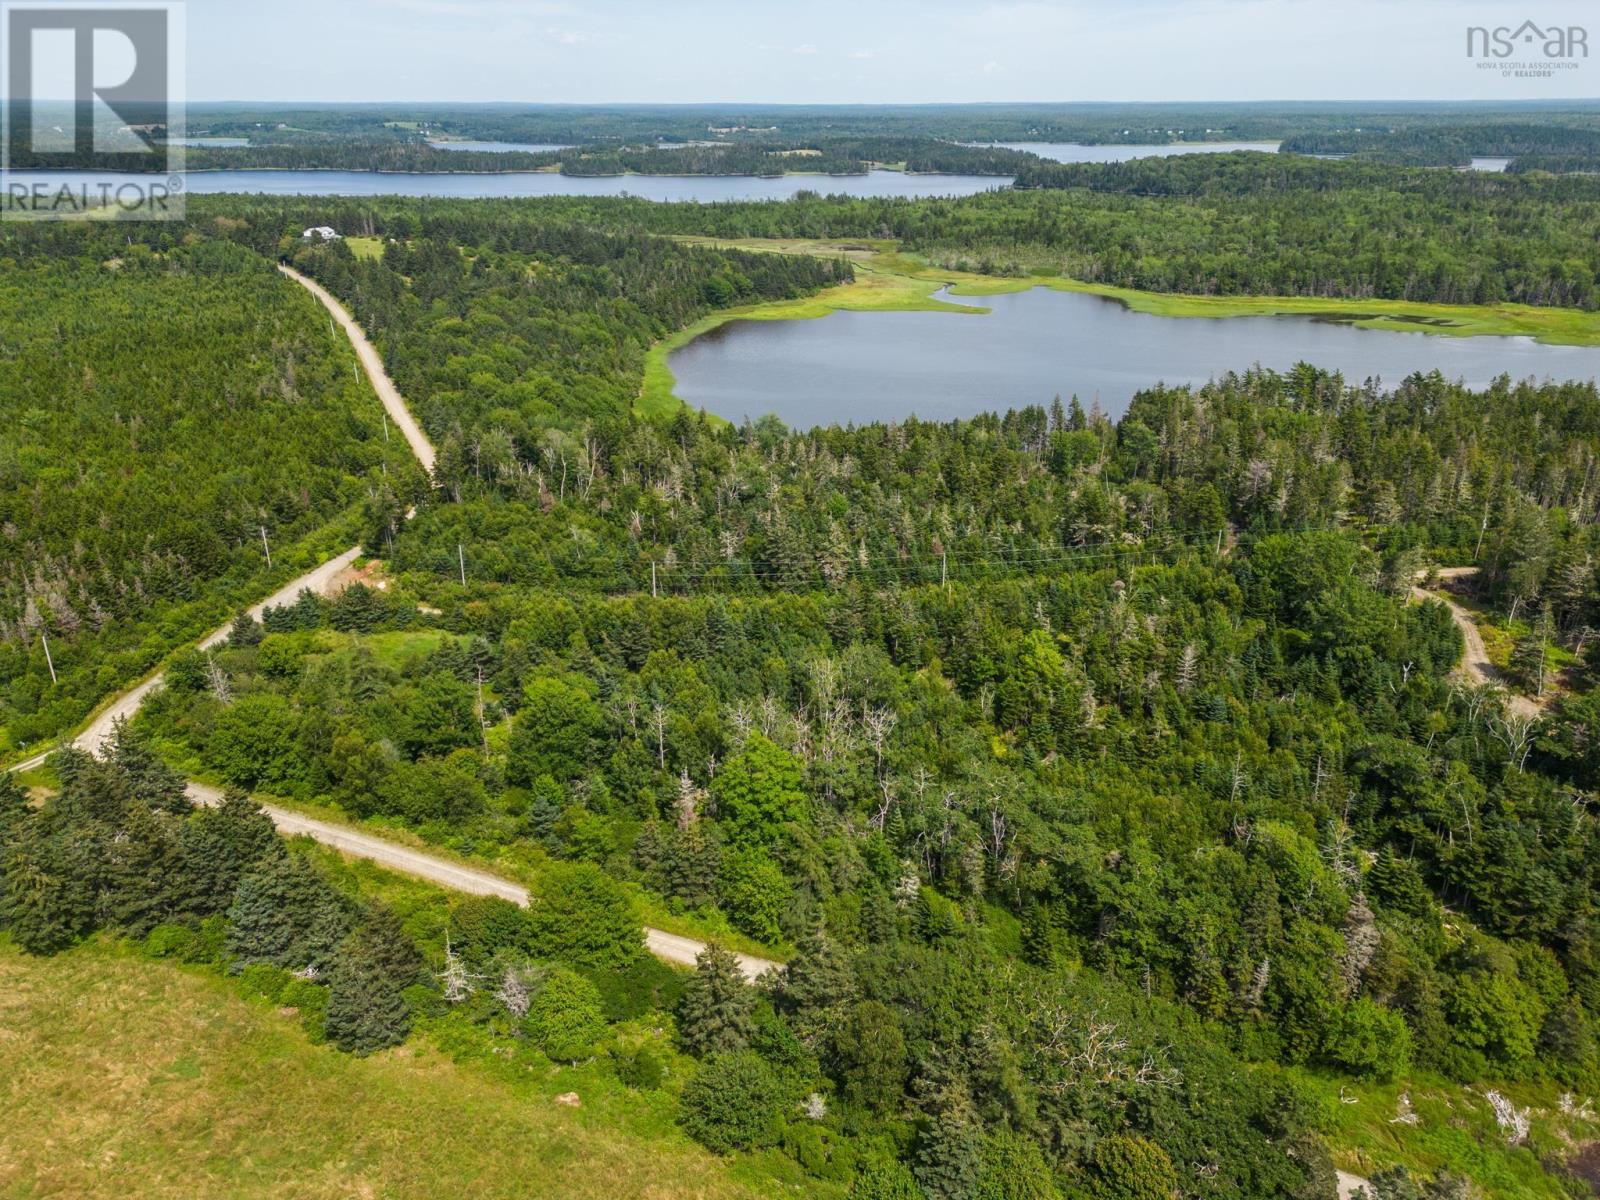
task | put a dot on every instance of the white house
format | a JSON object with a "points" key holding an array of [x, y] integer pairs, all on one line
{"points": [[320, 233]]}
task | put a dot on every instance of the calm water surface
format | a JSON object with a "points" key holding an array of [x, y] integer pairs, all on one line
{"points": [[548, 183], [1035, 345], [1073, 152]]}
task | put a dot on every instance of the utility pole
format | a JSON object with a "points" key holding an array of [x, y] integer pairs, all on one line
{"points": [[461, 557], [45, 638], [653, 592], [266, 547]]}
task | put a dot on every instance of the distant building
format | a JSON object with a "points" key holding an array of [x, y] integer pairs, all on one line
{"points": [[320, 233]]}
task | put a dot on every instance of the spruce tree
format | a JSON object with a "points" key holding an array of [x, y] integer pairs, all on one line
{"points": [[949, 1156], [244, 632], [146, 883], [714, 1015], [366, 1007], [220, 845], [50, 893], [817, 978], [287, 915], [13, 819], [148, 778]]}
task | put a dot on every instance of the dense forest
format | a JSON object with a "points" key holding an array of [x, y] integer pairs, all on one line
{"points": [[212, 373], [1094, 123], [1434, 145], [249, 420], [1102, 782], [1209, 224], [765, 156]]}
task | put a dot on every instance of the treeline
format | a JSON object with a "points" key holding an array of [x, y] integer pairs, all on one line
{"points": [[1069, 122], [167, 406], [763, 156], [1195, 224], [121, 850], [573, 311], [1454, 145], [767, 155]]}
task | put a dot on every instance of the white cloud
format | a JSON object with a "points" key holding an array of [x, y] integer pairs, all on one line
{"points": [[805, 48], [860, 54], [993, 68]]}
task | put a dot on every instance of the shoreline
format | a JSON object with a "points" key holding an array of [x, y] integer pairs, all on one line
{"points": [[889, 281]]}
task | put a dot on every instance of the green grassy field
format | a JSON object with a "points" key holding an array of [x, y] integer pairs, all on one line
{"points": [[889, 280], [129, 1077]]}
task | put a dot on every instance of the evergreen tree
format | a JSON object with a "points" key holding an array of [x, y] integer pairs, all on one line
{"points": [[869, 1052], [244, 632], [147, 880], [366, 1006], [149, 779], [286, 914], [715, 1013], [817, 978], [579, 914], [949, 1156], [733, 1102], [13, 817], [50, 896], [222, 844]]}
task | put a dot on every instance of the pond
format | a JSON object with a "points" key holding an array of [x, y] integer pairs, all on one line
{"points": [[1034, 345], [544, 183]]}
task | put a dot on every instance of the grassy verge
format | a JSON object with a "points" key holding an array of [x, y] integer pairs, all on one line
{"points": [[891, 280], [129, 1077], [1444, 1124]]}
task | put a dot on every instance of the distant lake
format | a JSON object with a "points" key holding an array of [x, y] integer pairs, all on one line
{"points": [[1490, 164], [502, 147], [1073, 152], [211, 143], [549, 183], [1034, 345]]}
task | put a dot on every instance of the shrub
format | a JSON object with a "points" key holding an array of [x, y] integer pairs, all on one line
{"points": [[564, 1019], [263, 981], [733, 1102], [580, 915], [639, 1069], [1127, 1167], [169, 941], [1014, 1169], [886, 1181], [645, 985], [483, 926]]}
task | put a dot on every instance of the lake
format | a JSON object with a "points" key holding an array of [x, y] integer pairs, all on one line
{"points": [[879, 366], [1073, 152], [548, 183]]}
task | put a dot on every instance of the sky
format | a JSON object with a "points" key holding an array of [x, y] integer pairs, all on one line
{"points": [[865, 51]]}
